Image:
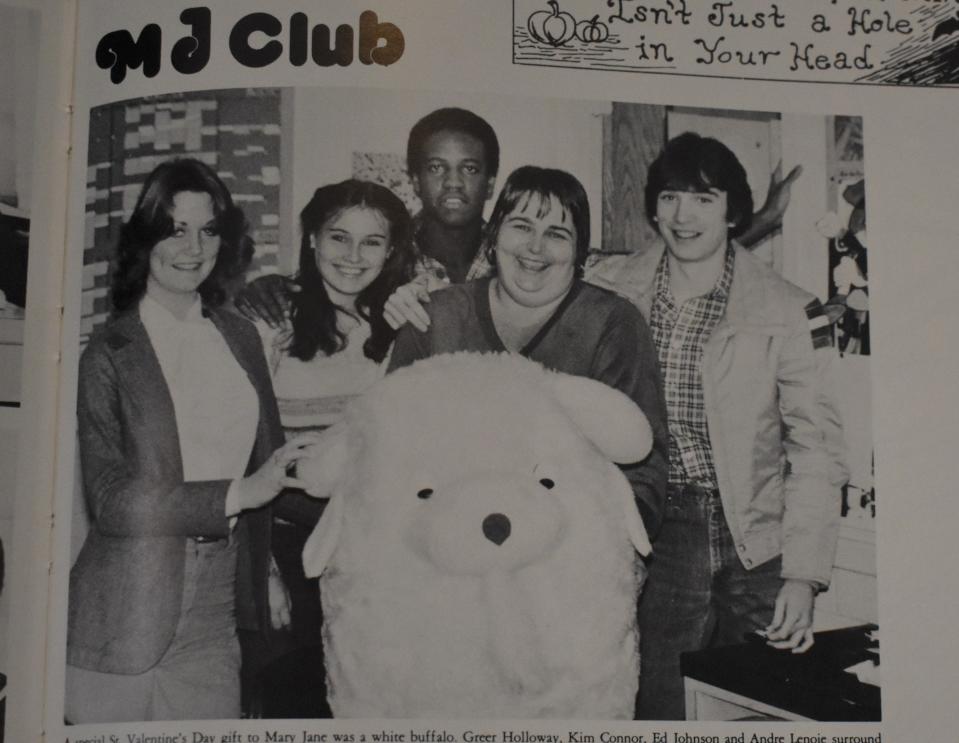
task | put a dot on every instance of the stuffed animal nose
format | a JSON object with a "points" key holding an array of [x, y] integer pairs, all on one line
{"points": [[496, 527]]}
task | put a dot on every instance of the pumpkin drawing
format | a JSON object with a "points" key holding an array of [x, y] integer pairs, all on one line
{"points": [[553, 26], [592, 31]]}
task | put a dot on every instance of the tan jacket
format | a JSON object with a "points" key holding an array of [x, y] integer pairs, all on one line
{"points": [[774, 427], [127, 582]]}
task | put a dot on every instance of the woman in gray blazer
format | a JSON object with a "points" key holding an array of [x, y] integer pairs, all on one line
{"points": [[182, 452]]}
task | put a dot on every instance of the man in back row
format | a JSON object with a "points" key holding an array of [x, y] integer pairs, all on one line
{"points": [[453, 158], [752, 505]]}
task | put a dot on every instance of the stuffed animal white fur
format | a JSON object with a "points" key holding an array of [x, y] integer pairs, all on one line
{"points": [[478, 554]]}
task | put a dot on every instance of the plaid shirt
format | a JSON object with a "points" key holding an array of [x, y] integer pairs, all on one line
{"points": [[679, 332], [435, 271]]}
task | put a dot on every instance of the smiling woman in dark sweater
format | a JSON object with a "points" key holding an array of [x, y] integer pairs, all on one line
{"points": [[537, 305]]}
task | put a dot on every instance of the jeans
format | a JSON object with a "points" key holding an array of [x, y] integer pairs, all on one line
{"points": [[198, 677], [697, 595]]}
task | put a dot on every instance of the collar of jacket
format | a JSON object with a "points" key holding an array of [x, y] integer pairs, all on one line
{"points": [[127, 334], [755, 298], [127, 338], [754, 302]]}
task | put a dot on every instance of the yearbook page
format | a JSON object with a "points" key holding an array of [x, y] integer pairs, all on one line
{"points": [[502, 372]]}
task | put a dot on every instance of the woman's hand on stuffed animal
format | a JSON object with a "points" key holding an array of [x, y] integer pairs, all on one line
{"points": [[273, 475]]}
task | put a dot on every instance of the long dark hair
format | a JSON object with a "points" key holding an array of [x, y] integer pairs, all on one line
{"points": [[313, 313], [530, 181], [152, 221]]}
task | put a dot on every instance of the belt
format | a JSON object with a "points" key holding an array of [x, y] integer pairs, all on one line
{"points": [[207, 538]]}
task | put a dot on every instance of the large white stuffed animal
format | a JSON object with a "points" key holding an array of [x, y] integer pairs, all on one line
{"points": [[478, 553]]}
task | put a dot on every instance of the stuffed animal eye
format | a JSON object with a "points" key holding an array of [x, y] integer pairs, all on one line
{"points": [[425, 493], [547, 483]]}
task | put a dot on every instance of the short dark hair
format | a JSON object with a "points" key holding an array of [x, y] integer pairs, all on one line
{"points": [[531, 181], [152, 221], [313, 314], [690, 162], [451, 120]]}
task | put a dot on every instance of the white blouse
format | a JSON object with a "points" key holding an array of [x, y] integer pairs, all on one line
{"points": [[216, 407]]}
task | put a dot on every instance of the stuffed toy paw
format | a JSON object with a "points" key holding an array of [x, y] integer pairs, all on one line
{"points": [[478, 555]]}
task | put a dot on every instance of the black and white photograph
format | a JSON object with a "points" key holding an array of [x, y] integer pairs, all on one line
{"points": [[444, 404]]}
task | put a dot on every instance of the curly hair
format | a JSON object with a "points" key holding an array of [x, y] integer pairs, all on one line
{"points": [[451, 120], [152, 221], [532, 182], [690, 162], [313, 314]]}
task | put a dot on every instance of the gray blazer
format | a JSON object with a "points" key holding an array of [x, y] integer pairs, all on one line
{"points": [[126, 585]]}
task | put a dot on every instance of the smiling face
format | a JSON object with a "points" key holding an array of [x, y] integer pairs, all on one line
{"points": [[693, 223], [536, 252], [454, 180], [351, 249], [181, 262]]}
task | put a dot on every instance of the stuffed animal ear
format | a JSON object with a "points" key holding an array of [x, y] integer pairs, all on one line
{"points": [[631, 515], [319, 547], [609, 419], [322, 471]]}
